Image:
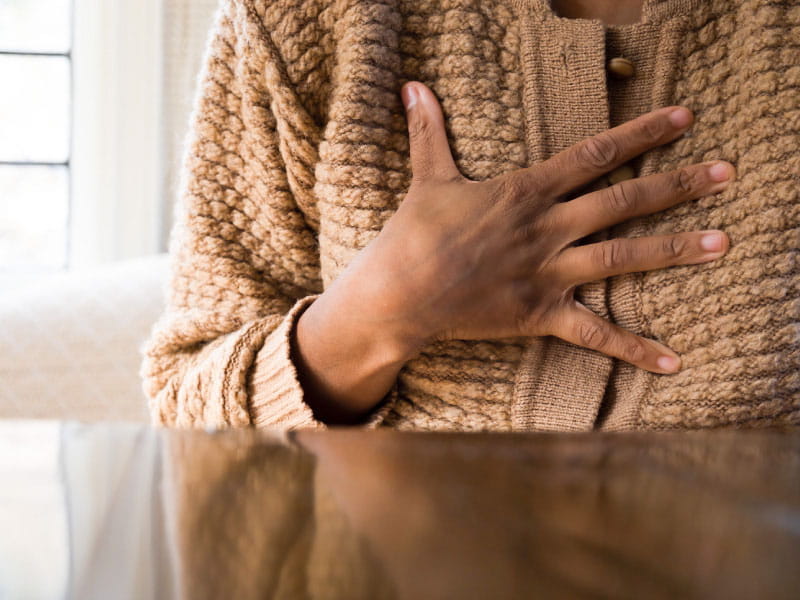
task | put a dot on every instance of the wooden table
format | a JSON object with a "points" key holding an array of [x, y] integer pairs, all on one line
{"points": [[356, 514]]}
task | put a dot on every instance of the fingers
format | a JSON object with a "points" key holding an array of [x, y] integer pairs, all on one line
{"points": [[580, 264], [430, 149], [588, 159], [580, 326], [635, 197]]}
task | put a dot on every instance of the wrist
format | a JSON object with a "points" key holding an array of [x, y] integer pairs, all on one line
{"points": [[360, 331], [343, 367]]}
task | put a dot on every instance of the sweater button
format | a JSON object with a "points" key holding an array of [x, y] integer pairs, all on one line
{"points": [[620, 174], [620, 68]]}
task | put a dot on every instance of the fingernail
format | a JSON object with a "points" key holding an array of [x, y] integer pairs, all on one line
{"points": [[711, 242], [680, 117], [719, 171], [668, 363], [409, 95]]}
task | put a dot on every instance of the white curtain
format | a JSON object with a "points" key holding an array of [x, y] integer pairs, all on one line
{"points": [[186, 27], [136, 66]]}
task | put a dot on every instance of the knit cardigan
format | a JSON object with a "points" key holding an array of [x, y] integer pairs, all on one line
{"points": [[298, 154]]}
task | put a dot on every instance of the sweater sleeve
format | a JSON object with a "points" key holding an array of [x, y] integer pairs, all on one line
{"points": [[244, 258]]}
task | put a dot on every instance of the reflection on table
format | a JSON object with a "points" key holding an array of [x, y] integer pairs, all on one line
{"points": [[382, 514]]}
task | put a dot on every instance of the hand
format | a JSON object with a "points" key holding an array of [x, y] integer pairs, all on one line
{"points": [[463, 259]]}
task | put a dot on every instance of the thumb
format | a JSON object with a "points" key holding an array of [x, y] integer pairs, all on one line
{"points": [[430, 150]]}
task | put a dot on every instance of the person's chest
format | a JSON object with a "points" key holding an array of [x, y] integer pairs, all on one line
{"points": [[517, 84]]}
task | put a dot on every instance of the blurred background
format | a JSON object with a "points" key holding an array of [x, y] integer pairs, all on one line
{"points": [[94, 109], [95, 105], [95, 97]]}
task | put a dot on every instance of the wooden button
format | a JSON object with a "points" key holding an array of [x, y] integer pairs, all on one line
{"points": [[621, 68], [621, 174]]}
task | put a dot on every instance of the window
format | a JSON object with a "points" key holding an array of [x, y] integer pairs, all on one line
{"points": [[94, 106], [35, 136]]}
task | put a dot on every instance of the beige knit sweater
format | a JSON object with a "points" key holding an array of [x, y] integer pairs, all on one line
{"points": [[298, 154]]}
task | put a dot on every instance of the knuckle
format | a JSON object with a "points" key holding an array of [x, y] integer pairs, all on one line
{"points": [[556, 221], [510, 188], [531, 313], [674, 246], [521, 321], [534, 178], [685, 180], [524, 233], [612, 254], [621, 198], [634, 351], [599, 151], [593, 335]]}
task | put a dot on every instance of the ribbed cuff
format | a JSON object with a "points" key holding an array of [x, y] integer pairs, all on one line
{"points": [[276, 396]]}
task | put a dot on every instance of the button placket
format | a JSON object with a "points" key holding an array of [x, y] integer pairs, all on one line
{"points": [[628, 98], [550, 373], [560, 386]]}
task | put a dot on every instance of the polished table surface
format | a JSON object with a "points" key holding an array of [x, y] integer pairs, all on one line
{"points": [[127, 511]]}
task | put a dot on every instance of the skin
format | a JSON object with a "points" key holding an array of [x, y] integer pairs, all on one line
{"points": [[464, 259], [611, 12]]}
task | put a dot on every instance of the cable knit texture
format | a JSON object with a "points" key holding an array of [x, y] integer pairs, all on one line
{"points": [[298, 154]]}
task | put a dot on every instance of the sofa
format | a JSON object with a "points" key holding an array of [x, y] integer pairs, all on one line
{"points": [[70, 343]]}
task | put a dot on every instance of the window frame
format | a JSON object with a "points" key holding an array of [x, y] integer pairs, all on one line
{"points": [[67, 163]]}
